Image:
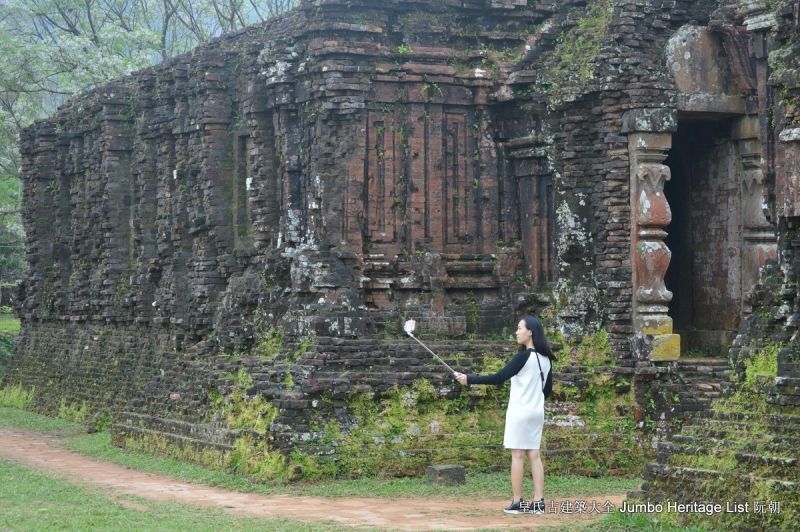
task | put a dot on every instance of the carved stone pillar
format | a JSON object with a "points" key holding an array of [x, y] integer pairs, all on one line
{"points": [[758, 235], [649, 140]]}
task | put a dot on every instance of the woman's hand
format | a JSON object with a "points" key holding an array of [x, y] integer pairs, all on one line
{"points": [[460, 377]]}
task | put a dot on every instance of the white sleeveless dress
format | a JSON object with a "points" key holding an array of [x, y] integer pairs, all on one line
{"points": [[525, 413]]}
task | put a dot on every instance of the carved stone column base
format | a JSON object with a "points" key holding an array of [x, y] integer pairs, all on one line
{"points": [[666, 347], [665, 344], [653, 323]]}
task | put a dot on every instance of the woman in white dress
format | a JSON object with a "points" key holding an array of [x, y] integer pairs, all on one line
{"points": [[525, 413]]}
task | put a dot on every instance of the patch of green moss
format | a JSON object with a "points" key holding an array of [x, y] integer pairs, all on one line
{"points": [[760, 370], [736, 477], [403, 431], [75, 412], [609, 439], [408, 428], [252, 458], [763, 364], [161, 446], [269, 344], [722, 461], [302, 348], [239, 410], [573, 61], [592, 351], [17, 396]]}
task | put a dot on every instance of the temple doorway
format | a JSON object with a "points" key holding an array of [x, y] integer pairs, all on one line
{"points": [[705, 236]]}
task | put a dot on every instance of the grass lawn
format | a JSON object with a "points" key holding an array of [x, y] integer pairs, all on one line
{"points": [[9, 324], [33, 501]]}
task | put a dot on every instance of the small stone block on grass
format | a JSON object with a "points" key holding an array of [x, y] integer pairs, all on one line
{"points": [[449, 474]]}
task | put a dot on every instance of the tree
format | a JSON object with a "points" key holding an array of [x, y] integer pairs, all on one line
{"points": [[50, 49]]}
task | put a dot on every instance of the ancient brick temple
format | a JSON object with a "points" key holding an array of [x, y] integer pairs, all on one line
{"points": [[623, 165]]}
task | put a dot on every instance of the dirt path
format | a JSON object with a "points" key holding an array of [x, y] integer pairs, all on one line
{"points": [[44, 452]]}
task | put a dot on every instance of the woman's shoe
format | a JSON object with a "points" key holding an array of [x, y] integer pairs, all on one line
{"points": [[517, 507]]}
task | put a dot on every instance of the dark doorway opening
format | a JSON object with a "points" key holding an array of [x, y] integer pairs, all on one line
{"points": [[704, 274]]}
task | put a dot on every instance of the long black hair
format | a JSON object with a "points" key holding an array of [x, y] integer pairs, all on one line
{"points": [[540, 343]]}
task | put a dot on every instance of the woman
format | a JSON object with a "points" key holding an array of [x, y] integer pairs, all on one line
{"points": [[525, 413]]}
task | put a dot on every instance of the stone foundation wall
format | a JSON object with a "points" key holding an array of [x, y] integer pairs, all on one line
{"points": [[364, 407], [94, 367]]}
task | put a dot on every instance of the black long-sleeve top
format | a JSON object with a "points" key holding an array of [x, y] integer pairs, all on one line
{"points": [[512, 368]]}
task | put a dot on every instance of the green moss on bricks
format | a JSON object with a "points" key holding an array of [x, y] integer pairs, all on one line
{"points": [[573, 60], [592, 350], [162, 446], [77, 412], [724, 461], [410, 427], [17, 396], [288, 381], [763, 364], [740, 468], [238, 410], [760, 371], [302, 348], [250, 457], [609, 439], [405, 429], [269, 344]]}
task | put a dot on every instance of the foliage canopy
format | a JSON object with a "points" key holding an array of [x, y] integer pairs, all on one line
{"points": [[51, 49]]}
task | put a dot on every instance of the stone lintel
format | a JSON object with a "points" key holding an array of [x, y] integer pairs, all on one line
{"points": [[660, 120], [762, 22], [712, 103]]}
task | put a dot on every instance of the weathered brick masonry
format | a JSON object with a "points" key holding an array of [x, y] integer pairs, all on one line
{"points": [[334, 171]]}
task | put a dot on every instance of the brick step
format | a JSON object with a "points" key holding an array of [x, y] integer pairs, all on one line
{"points": [[789, 369], [704, 361], [711, 427], [697, 385], [768, 443], [122, 432], [553, 439], [787, 382], [202, 432], [776, 422], [686, 484], [431, 450], [782, 420], [700, 378], [704, 370], [787, 461], [777, 467], [721, 382], [722, 371], [336, 344], [782, 400]]}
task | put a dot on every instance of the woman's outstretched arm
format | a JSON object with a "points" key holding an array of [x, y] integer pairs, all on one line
{"points": [[512, 368]]}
